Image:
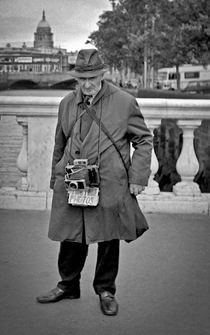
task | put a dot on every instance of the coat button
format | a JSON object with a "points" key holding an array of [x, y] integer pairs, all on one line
{"points": [[77, 152]]}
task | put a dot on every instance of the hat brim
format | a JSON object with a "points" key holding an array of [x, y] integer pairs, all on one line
{"points": [[88, 74]]}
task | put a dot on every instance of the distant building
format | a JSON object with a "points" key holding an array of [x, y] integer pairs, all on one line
{"points": [[43, 38], [43, 57]]}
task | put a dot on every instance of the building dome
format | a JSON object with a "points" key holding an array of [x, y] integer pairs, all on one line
{"points": [[43, 23], [43, 36]]}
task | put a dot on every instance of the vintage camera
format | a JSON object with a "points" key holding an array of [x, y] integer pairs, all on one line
{"points": [[82, 183]]}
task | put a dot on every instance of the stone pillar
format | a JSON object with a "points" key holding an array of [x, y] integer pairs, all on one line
{"points": [[187, 164], [41, 132], [22, 160], [153, 186]]}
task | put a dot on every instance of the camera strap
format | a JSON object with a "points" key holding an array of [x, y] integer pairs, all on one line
{"points": [[105, 130]]}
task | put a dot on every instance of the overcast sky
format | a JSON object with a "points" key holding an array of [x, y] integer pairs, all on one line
{"points": [[71, 21]]}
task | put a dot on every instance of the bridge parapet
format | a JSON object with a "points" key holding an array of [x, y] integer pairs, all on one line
{"points": [[38, 115]]}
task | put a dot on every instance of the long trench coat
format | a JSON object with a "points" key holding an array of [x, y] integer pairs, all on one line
{"points": [[117, 215]]}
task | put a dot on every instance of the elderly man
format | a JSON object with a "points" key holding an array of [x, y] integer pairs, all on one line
{"points": [[94, 181]]}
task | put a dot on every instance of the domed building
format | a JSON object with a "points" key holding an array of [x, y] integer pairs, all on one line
{"points": [[43, 38], [42, 57]]}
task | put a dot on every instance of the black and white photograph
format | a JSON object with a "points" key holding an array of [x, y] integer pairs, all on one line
{"points": [[105, 167]]}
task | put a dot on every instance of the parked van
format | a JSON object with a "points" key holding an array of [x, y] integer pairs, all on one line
{"points": [[167, 77]]}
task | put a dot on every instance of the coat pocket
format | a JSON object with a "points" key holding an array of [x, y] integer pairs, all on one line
{"points": [[60, 167]]}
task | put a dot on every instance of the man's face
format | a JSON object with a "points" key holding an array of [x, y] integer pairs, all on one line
{"points": [[90, 86]]}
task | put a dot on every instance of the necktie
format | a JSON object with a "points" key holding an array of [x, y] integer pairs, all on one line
{"points": [[88, 99], [86, 121]]}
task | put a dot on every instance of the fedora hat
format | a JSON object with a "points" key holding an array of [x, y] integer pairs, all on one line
{"points": [[88, 64]]}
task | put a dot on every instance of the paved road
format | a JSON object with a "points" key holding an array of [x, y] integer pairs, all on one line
{"points": [[163, 286]]}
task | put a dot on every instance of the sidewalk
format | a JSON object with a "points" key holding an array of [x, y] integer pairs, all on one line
{"points": [[163, 286]]}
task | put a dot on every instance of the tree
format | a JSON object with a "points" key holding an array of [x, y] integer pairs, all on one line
{"points": [[146, 25], [196, 26], [186, 34], [111, 37], [162, 32], [128, 34], [174, 45]]}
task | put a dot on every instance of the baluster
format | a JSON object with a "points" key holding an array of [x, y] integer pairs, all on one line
{"points": [[22, 160], [153, 186], [187, 164]]}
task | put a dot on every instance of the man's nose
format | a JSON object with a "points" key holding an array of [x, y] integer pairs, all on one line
{"points": [[87, 83]]}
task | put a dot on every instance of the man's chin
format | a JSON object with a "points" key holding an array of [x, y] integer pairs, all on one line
{"points": [[88, 92]]}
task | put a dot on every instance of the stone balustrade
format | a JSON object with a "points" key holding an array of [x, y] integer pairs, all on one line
{"points": [[38, 115]]}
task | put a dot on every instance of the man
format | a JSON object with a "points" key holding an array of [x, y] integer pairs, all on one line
{"points": [[97, 122]]}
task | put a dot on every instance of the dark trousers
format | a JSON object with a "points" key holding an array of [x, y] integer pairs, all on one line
{"points": [[71, 261]]}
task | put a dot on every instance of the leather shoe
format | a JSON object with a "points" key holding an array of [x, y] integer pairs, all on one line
{"points": [[108, 303], [56, 295]]}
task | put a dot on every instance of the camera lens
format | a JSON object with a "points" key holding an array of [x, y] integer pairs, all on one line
{"points": [[73, 185]]}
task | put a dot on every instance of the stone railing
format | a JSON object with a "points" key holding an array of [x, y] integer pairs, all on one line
{"points": [[38, 115]]}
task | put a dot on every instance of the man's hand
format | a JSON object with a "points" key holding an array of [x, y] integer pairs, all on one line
{"points": [[136, 189]]}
